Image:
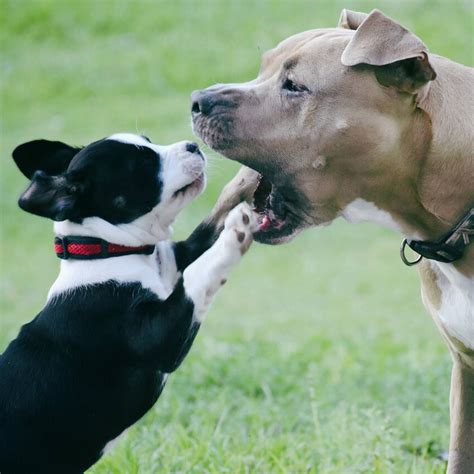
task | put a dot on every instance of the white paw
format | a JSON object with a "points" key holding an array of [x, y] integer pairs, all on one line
{"points": [[204, 277], [239, 227]]}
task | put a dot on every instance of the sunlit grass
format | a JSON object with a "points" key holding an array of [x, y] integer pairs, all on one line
{"points": [[317, 356]]}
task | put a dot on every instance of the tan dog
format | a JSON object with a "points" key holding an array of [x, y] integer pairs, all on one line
{"points": [[360, 121]]}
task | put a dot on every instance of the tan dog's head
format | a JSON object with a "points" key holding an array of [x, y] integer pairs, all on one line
{"points": [[326, 122]]}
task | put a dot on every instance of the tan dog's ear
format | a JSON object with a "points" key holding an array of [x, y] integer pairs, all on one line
{"points": [[401, 57], [351, 20]]}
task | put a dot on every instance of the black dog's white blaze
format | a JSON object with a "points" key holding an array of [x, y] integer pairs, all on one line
{"points": [[95, 359]]}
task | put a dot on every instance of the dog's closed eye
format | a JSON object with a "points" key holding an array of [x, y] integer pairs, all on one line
{"points": [[292, 87]]}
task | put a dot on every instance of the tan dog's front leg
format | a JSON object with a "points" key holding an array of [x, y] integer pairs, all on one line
{"points": [[461, 446], [241, 188]]}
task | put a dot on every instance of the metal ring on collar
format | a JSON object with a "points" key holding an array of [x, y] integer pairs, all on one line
{"points": [[404, 258]]}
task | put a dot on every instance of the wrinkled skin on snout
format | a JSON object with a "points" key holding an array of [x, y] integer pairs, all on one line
{"points": [[319, 134]]}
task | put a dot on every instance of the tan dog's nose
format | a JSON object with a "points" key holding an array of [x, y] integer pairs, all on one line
{"points": [[202, 102], [216, 97]]}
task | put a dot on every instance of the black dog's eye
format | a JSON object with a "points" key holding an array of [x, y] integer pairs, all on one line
{"points": [[290, 86]]}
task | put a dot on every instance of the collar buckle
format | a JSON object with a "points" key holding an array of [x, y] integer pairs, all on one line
{"points": [[408, 263], [63, 243], [448, 248], [104, 248]]}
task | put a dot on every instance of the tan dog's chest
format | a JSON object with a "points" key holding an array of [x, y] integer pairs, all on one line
{"points": [[448, 294]]}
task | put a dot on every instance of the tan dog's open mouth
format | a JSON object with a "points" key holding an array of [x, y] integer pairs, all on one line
{"points": [[277, 223], [281, 208]]}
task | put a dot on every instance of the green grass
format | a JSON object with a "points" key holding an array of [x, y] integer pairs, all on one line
{"points": [[317, 356]]}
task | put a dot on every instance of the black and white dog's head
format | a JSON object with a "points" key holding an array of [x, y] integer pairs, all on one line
{"points": [[120, 179]]}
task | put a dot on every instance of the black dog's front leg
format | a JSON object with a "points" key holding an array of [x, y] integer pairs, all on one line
{"points": [[202, 238], [165, 330]]}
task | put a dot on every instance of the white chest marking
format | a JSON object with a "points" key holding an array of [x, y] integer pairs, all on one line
{"points": [[361, 210], [167, 265], [457, 303], [126, 269]]}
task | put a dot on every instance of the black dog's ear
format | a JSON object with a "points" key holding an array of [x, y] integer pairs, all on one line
{"points": [[56, 197], [44, 155]]}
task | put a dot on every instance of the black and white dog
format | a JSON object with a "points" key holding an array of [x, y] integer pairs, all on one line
{"points": [[126, 305]]}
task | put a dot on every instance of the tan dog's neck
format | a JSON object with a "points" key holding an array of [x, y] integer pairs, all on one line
{"points": [[445, 186], [430, 184], [439, 140]]}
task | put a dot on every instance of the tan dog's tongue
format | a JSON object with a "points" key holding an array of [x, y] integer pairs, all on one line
{"points": [[265, 224]]}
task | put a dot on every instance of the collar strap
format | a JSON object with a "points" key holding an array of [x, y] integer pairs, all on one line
{"points": [[91, 248], [448, 248]]}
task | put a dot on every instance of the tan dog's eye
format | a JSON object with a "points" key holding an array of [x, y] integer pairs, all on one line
{"points": [[292, 87]]}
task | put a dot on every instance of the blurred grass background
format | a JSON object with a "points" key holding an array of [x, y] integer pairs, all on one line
{"points": [[317, 356]]}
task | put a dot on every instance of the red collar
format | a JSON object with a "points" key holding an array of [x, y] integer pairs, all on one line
{"points": [[91, 248]]}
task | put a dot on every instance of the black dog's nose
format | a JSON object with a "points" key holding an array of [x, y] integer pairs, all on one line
{"points": [[192, 147]]}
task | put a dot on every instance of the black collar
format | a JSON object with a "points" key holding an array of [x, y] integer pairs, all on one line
{"points": [[92, 248], [448, 248]]}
